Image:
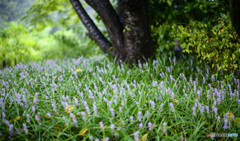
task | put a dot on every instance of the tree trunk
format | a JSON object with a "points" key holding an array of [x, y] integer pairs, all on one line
{"points": [[128, 28], [235, 14], [4, 61], [137, 40]]}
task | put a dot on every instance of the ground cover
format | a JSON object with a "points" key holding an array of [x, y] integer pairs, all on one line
{"points": [[95, 99]]}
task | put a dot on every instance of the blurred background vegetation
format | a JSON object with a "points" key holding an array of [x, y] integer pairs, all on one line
{"points": [[38, 30]]}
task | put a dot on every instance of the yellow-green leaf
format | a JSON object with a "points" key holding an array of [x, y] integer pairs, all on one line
{"points": [[144, 138], [83, 132]]}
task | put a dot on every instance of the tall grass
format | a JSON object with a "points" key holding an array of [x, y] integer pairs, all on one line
{"points": [[96, 99]]}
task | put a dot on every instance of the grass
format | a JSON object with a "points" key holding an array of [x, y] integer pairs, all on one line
{"points": [[95, 99]]}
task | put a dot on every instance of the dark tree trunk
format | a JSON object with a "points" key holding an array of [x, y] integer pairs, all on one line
{"points": [[4, 61], [94, 32], [235, 14], [128, 28], [138, 39]]}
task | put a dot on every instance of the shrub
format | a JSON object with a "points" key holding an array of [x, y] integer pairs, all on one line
{"points": [[218, 47], [12, 50]]}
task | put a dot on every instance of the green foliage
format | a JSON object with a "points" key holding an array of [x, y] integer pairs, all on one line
{"points": [[183, 11], [19, 44], [11, 48], [218, 47], [164, 14]]}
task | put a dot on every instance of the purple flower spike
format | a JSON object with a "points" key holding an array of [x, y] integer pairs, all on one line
{"points": [[225, 124], [202, 109], [215, 111], [33, 109], [11, 129], [147, 114], [164, 127], [139, 116], [28, 118], [101, 125], [152, 104], [131, 118], [112, 127], [171, 105], [150, 126], [25, 128], [207, 109], [136, 136], [194, 111]]}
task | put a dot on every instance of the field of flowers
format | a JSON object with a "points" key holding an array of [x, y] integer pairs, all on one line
{"points": [[96, 99]]}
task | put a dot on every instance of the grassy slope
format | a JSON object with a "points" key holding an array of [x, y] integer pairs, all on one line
{"points": [[130, 103]]}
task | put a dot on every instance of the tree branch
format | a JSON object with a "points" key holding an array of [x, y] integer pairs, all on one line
{"points": [[112, 23], [95, 33]]}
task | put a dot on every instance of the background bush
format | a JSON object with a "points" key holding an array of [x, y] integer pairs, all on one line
{"points": [[20, 44]]}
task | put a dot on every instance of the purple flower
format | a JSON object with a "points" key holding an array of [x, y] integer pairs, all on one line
{"points": [[194, 111], [218, 119], [71, 115], [75, 100], [3, 115], [150, 126], [48, 114], [112, 127], [87, 108], [33, 109], [225, 124], [195, 104], [18, 96], [11, 129], [136, 136], [28, 118], [172, 93], [75, 121], [95, 108], [215, 111], [171, 105], [139, 64], [208, 94], [35, 100], [38, 119], [107, 139], [112, 112], [139, 116], [114, 77], [131, 118], [199, 94], [147, 114], [6, 122], [207, 109], [84, 116], [24, 99], [101, 125], [25, 128], [54, 105], [164, 127], [202, 109], [152, 104], [140, 125]]}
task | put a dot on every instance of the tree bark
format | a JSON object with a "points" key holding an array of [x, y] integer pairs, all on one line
{"points": [[112, 23], [138, 40], [128, 28], [235, 14], [94, 32]]}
